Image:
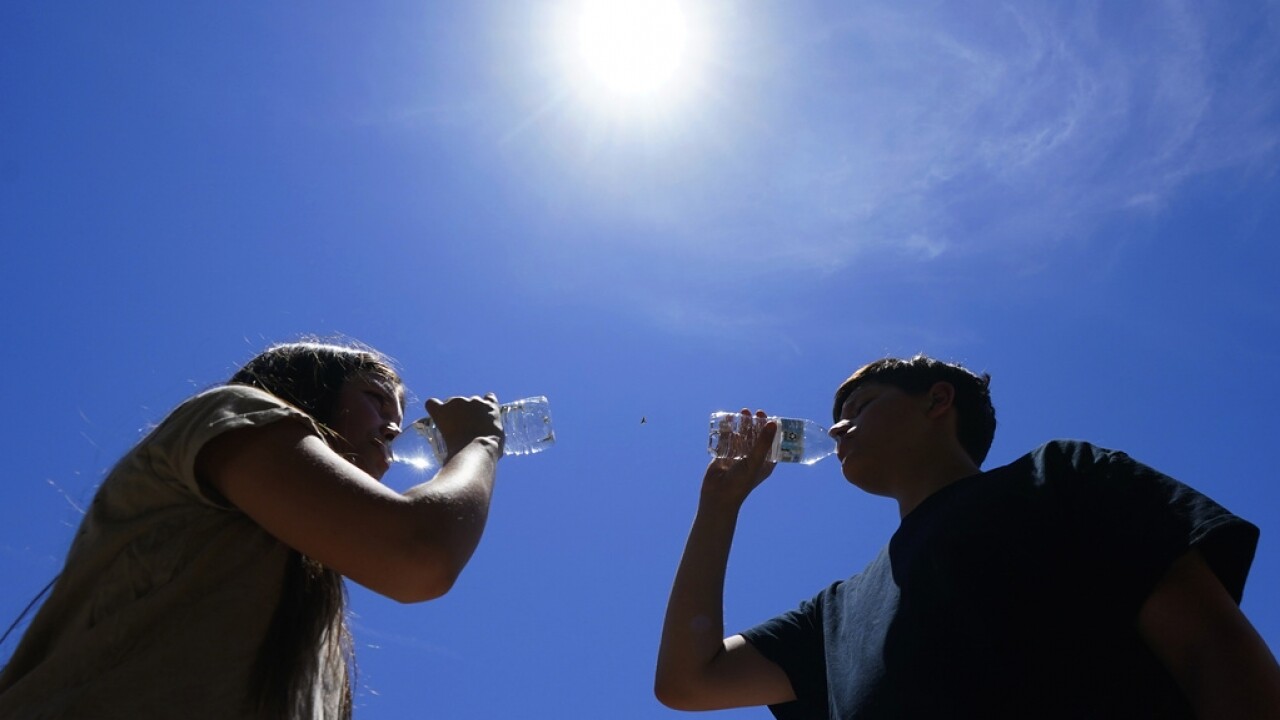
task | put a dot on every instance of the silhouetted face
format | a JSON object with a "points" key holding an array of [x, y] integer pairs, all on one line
{"points": [[367, 418], [880, 428]]}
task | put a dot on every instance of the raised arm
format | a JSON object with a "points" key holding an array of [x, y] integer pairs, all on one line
{"points": [[1208, 645], [409, 547], [698, 668]]}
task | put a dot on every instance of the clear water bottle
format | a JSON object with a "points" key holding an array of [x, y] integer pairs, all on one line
{"points": [[526, 424], [797, 441]]}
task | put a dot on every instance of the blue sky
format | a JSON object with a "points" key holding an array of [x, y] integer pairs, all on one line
{"points": [[1080, 200]]}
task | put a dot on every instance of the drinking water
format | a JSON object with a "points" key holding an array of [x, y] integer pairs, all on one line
{"points": [[525, 423], [797, 441]]}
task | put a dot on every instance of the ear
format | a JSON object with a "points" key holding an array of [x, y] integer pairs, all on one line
{"points": [[940, 398]]}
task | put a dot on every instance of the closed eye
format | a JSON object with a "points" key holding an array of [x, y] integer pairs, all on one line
{"points": [[380, 398], [857, 409]]}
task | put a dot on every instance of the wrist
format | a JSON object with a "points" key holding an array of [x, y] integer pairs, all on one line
{"points": [[720, 505], [492, 444]]}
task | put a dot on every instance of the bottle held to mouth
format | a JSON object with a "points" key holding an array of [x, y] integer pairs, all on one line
{"points": [[797, 441], [525, 423]]}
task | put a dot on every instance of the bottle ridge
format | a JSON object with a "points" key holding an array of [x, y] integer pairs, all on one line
{"points": [[525, 423], [797, 441]]}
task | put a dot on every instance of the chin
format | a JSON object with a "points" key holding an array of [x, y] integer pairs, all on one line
{"points": [[849, 472], [864, 487], [859, 480]]}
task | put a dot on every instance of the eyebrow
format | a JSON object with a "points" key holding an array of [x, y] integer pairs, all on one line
{"points": [[854, 397], [393, 391], [851, 401]]}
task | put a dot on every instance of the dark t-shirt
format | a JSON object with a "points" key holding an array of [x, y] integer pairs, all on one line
{"points": [[1012, 593]]}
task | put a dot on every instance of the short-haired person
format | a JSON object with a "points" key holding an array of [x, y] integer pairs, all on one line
{"points": [[205, 580], [1074, 582]]}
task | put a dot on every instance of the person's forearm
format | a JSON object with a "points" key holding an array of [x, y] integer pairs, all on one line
{"points": [[693, 631], [454, 507]]}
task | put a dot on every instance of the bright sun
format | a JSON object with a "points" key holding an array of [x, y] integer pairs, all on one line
{"points": [[632, 48]]}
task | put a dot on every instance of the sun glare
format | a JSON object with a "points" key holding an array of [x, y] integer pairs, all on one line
{"points": [[632, 47]]}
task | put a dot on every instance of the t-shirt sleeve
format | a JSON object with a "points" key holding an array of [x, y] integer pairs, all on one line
{"points": [[794, 642], [177, 441], [1136, 521]]}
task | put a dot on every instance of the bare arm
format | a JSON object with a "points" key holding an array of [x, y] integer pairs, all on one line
{"points": [[1208, 645], [409, 547], [698, 668]]}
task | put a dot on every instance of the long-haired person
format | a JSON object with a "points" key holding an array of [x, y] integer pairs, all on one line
{"points": [[205, 579]]}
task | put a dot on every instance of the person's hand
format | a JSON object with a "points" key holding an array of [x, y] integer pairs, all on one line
{"points": [[463, 419], [730, 480]]}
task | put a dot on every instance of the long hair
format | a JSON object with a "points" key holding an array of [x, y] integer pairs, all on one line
{"points": [[308, 632]]}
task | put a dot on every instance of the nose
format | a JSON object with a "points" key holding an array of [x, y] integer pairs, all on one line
{"points": [[391, 432], [838, 429]]}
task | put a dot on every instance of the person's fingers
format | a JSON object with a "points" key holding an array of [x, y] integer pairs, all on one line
{"points": [[763, 445]]}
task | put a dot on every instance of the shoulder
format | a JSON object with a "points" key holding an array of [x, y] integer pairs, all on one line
{"points": [[235, 396], [805, 619], [1072, 452], [171, 451], [867, 587], [228, 407], [1095, 466], [1077, 459], [1064, 470]]}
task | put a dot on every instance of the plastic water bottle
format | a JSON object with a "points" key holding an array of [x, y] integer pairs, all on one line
{"points": [[798, 441], [525, 423]]}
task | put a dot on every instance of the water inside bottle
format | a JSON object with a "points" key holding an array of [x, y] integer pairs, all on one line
{"points": [[797, 441], [525, 423], [415, 446], [527, 426], [733, 434]]}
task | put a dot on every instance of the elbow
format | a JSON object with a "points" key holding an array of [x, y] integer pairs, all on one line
{"points": [[667, 697], [674, 694], [422, 590], [424, 575], [676, 701], [426, 554]]}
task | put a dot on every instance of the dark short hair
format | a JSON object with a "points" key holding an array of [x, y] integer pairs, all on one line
{"points": [[975, 415]]}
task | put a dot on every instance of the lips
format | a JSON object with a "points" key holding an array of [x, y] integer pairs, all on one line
{"points": [[843, 450], [384, 453]]}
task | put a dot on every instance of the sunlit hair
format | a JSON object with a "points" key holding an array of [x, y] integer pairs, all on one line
{"points": [[310, 374], [308, 631], [975, 416]]}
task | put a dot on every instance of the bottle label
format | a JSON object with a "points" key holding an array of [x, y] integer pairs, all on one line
{"points": [[790, 440]]}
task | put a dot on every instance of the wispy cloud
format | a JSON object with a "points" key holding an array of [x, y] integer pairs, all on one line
{"points": [[882, 137], [1025, 121], [917, 131]]}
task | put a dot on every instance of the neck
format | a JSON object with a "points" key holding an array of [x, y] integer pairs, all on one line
{"points": [[931, 476]]}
